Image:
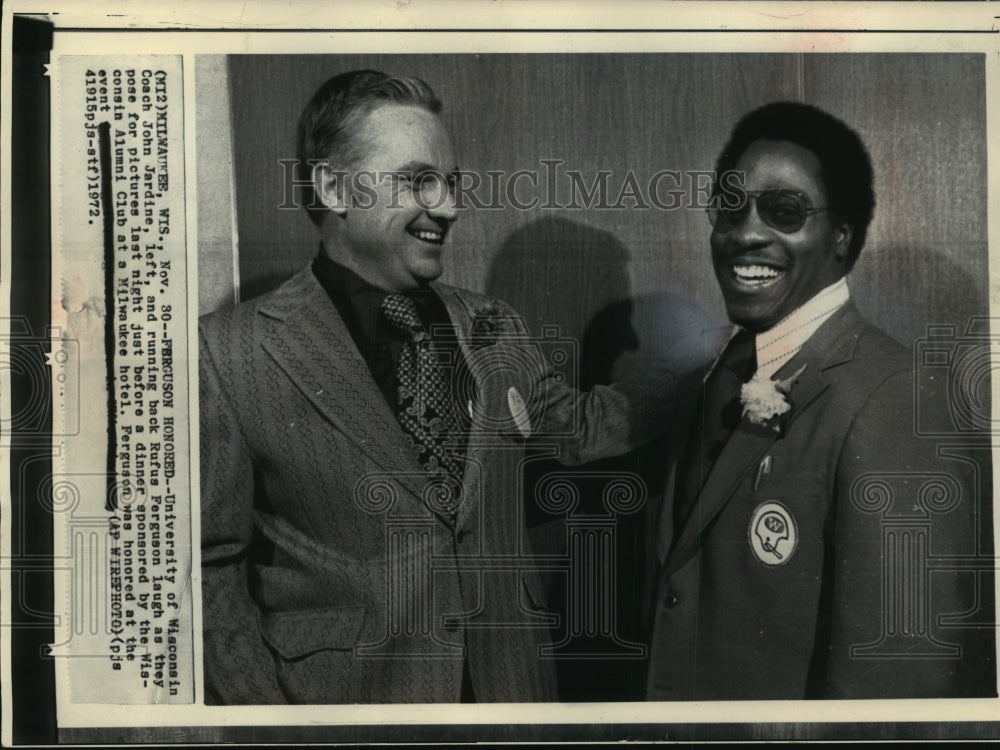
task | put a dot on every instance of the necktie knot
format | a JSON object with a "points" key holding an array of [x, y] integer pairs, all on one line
{"points": [[401, 313], [740, 355]]}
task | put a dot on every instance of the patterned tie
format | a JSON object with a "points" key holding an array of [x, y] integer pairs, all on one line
{"points": [[720, 413], [425, 409]]}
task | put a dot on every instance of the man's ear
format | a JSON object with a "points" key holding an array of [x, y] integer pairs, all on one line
{"points": [[844, 234], [328, 184]]}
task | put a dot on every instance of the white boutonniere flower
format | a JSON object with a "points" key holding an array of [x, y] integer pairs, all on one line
{"points": [[764, 399]]}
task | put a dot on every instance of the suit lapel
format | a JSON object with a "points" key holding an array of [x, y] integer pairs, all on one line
{"points": [[310, 343], [462, 320], [746, 446], [688, 399], [689, 390], [831, 345]]}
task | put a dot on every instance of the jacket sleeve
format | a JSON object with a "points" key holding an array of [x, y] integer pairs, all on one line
{"points": [[905, 517], [605, 421], [238, 665]]}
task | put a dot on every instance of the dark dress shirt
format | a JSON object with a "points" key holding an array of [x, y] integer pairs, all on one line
{"points": [[359, 304]]}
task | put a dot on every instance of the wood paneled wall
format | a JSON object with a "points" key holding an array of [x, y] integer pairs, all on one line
{"points": [[628, 284], [630, 280]]}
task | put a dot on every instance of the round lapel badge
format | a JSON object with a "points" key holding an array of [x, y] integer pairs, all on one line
{"points": [[773, 534], [519, 411]]}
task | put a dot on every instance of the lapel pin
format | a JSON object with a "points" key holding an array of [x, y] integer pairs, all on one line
{"points": [[763, 468]]}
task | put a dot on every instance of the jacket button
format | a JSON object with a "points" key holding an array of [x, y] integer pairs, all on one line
{"points": [[671, 600]]}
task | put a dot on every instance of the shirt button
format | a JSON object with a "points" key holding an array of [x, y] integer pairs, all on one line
{"points": [[671, 600]]}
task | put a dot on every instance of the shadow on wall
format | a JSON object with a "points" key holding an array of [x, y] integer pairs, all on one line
{"points": [[558, 272]]}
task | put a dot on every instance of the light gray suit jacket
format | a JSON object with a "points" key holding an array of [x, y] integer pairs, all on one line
{"points": [[329, 574]]}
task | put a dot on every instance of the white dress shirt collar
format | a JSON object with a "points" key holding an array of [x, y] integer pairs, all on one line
{"points": [[782, 341]]}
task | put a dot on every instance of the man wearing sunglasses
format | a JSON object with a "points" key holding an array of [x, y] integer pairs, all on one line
{"points": [[793, 561]]}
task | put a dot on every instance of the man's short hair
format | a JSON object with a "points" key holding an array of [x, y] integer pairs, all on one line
{"points": [[846, 168], [329, 121]]}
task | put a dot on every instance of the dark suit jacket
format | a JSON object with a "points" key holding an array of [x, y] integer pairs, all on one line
{"points": [[875, 588], [329, 574]]}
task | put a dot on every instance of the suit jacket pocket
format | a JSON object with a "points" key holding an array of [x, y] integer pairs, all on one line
{"points": [[298, 634]]}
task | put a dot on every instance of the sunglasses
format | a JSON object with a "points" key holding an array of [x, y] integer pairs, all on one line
{"points": [[784, 210]]}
